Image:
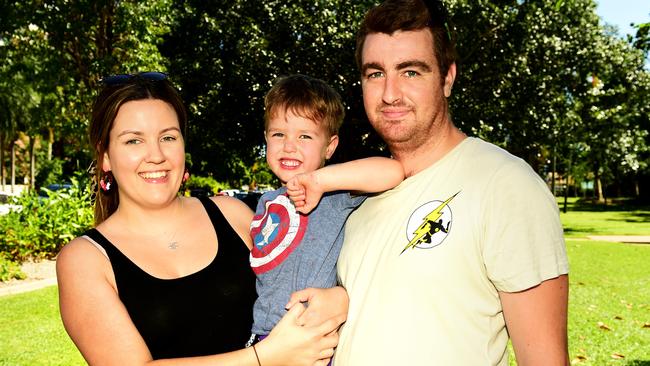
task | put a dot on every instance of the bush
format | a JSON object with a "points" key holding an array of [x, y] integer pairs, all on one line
{"points": [[198, 182], [9, 270], [41, 226], [49, 172]]}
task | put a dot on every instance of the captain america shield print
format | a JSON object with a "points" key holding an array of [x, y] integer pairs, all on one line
{"points": [[276, 233]]}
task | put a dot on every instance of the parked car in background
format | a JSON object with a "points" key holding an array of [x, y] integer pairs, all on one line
{"points": [[43, 192], [249, 198], [229, 192]]}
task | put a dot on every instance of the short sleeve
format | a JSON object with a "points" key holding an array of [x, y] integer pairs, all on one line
{"points": [[347, 201], [523, 242]]}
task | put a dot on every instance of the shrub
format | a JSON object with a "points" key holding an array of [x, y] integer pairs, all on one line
{"points": [[39, 227], [9, 270], [49, 172], [198, 182]]}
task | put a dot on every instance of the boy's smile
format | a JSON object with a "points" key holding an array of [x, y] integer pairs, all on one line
{"points": [[296, 144]]}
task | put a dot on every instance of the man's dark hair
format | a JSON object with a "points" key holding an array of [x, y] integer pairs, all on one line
{"points": [[409, 15]]}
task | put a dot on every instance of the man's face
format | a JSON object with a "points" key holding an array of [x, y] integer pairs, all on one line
{"points": [[403, 91]]}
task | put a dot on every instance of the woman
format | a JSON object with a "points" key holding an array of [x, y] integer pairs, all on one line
{"points": [[165, 279]]}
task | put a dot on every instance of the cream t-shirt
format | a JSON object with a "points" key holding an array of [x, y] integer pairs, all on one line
{"points": [[423, 262]]}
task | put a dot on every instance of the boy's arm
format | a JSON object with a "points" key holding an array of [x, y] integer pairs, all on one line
{"points": [[373, 174]]}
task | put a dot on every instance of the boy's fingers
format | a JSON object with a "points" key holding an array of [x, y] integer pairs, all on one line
{"points": [[298, 297]]}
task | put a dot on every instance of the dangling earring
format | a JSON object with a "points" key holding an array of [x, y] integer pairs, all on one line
{"points": [[186, 176], [106, 181]]}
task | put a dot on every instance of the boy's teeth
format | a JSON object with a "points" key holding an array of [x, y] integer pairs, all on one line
{"points": [[154, 175], [290, 162]]}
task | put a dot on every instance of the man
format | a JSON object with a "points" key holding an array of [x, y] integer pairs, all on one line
{"points": [[421, 295]]}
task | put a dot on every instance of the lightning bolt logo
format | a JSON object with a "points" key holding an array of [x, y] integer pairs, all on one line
{"points": [[429, 226]]}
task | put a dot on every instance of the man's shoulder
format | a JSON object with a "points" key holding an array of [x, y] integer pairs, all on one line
{"points": [[486, 155]]}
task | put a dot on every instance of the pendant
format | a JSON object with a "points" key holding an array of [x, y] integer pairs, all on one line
{"points": [[173, 245]]}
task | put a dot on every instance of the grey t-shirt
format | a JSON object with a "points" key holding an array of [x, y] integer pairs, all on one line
{"points": [[292, 251]]}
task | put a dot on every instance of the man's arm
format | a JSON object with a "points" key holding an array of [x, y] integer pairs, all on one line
{"points": [[374, 174], [536, 319]]}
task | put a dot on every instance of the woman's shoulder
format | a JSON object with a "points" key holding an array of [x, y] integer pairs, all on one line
{"points": [[237, 214], [80, 256]]}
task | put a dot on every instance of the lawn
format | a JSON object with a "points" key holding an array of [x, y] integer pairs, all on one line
{"points": [[582, 219], [609, 303], [32, 333], [609, 308]]}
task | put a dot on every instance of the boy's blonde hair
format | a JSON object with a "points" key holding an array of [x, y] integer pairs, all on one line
{"points": [[306, 97]]}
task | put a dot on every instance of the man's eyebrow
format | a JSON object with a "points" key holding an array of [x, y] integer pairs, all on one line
{"points": [[414, 63], [370, 65]]}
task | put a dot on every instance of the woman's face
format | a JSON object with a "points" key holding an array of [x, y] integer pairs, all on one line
{"points": [[146, 153]]}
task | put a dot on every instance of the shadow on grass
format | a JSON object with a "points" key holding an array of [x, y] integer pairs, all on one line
{"points": [[638, 363], [620, 204]]}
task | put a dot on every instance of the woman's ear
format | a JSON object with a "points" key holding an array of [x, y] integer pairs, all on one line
{"points": [[106, 163]]}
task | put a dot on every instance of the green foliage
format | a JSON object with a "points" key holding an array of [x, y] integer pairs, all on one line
{"points": [[49, 172], [237, 49], [9, 269], [543, 79], [32, 332], [41, 226], [198, 182]]}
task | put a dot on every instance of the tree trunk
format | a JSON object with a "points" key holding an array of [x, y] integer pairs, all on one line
{"points": [[566, 185], [599, 191], [553, 173], [13, 166], [50, 142], [2, 162], [32, 162]]}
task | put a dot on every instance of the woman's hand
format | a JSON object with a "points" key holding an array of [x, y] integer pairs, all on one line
{"points": [[293, 344]]}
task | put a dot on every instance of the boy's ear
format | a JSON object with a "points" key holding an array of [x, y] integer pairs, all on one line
{"points": [[331, 146]]}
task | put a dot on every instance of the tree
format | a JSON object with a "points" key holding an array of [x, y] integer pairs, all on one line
{"points": [[61, 49], [238, 49]]}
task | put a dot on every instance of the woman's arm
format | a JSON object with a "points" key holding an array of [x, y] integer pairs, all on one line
{"points": [[102, 330], [373, 174]]}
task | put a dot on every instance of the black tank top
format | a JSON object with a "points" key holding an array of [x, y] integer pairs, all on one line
{"points": [[204, 313]]}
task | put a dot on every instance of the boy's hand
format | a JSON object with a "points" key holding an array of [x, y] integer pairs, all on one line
{"points": [[324, 303], [305, 191]]}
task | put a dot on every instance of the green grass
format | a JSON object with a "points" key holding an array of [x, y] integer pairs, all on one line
{"points": [[583, 218], [609, 285], [31, 331]]}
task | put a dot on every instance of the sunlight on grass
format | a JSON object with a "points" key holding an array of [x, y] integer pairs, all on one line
{"points": [[609, 303], [32, 332]]}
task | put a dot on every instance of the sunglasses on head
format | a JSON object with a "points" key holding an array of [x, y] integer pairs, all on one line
{"points": [[128, 78]]}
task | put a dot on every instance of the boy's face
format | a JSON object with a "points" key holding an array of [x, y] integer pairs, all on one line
{"points": [[296, 144]]}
